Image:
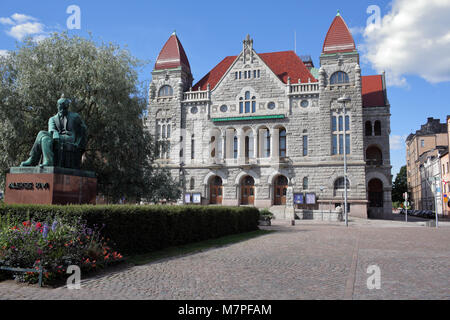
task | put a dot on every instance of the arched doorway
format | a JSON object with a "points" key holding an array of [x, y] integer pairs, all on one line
{"points": [[280, 189], [374, 156], [375, 193], [216, 191], [247, 191]]}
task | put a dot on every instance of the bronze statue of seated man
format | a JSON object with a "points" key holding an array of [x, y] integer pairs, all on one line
{"points": [[63, 144]]}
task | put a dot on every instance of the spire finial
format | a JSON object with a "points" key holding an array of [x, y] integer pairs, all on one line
{"points": [[338, 14], [174, 33]]}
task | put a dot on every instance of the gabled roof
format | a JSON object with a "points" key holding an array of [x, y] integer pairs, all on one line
{"points": [[285, 64], [172, 55], [372, 91], [339, 38]]}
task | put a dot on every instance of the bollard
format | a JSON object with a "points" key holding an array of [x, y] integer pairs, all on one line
{"points": [[292, 222]]}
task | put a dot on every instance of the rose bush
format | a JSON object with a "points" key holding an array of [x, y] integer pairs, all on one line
{"points": [[34, 244]]}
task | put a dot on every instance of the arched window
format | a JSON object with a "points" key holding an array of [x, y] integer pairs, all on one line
{"points": [[377, 128], [339, 186], [305, 183], [374, 156], [235, 147], [247, 104], [339, 77], [192, 184], [368, 128], [165, 91], [282, 143]]}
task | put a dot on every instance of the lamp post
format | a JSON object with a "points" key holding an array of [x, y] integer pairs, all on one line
{"points": [[343, 100]]}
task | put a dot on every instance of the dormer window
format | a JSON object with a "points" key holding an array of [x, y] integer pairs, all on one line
{"points": [[247, 104], [165, 91], [339, 77]]}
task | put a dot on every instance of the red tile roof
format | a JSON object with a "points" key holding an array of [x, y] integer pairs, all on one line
{"points": [[372, 91], [284, 64], [172, 55], [339, 38]]}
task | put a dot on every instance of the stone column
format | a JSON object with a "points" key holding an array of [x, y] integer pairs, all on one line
{"points": [[255, 144], [241, 146], [262, 143], [229, 143], [224, 148], [275, 147]]}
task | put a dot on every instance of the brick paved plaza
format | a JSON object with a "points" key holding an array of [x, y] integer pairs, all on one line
{"points": [[311, 260]]}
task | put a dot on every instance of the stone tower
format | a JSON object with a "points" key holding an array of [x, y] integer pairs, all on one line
{"points": [[171, 77]]}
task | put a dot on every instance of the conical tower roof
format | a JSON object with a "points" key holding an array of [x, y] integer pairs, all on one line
{"points": [[339, 38], [172, 56]]}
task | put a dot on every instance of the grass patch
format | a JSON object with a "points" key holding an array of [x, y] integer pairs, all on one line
{"points": [[141, 259]]}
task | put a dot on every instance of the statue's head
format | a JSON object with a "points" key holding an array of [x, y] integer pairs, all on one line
{"points": [[63, 106]]}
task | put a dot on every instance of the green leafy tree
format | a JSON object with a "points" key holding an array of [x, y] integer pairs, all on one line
{"points": [[102, 83], [400, 185]]}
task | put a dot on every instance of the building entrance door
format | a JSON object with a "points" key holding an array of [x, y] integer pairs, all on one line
{"points": [[280, 189], [216, 191], [248, 191]]}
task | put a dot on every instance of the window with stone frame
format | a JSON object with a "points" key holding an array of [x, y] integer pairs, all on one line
{"points": [[339, 77], [163, 137], [247, 103], [338, 132], [165, 91]]}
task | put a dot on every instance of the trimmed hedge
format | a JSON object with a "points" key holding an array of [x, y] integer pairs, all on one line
{"points": [[143, 229]]}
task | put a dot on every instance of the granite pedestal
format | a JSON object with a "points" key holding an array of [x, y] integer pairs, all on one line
{"points": [[50, 185]]}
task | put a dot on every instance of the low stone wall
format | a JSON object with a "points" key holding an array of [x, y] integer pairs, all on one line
{"points": [[318, 215]]}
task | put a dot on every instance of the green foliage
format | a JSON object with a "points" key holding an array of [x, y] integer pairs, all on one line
{"points": [[102, 83], [32, 245], [265, 214], [143, 229], [400, 185]]}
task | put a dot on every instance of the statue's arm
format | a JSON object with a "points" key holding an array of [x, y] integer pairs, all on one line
{"points": [[53, 129]]}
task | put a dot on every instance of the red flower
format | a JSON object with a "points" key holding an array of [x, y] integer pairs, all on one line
{"points": [[26, 223], [38, 225]]}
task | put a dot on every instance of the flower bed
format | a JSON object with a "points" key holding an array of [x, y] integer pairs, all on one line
{"points": [[53, 247]]}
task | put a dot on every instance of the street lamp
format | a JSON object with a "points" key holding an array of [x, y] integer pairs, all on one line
{"points": [[343, 100]]}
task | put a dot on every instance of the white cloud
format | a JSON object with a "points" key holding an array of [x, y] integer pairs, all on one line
{"points": [[22, 30], [7, 21], [3, 53], [22, 26], [413, 39], [397, 142], [20, 18]]}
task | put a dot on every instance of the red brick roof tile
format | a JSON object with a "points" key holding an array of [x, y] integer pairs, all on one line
{"points": [[339, 38], [284, 64], [372, 91], [172, 55]]}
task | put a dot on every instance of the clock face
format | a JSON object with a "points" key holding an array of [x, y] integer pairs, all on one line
{"points": [[271, 105], [304, 103], [223, 108], [194, 110]]}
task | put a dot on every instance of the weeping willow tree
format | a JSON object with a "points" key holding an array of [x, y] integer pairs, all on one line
{"points": [[101, 80]]}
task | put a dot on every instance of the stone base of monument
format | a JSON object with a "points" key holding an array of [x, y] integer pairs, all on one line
{"points": [[50, 185]]}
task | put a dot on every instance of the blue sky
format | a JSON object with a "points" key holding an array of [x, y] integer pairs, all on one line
{"points": [[418, 87]]}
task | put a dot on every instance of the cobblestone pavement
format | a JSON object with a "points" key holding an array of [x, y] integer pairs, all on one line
{"points": [[311, 260]]}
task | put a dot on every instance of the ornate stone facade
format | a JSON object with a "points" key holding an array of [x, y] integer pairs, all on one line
{"points": [[268, 125]]}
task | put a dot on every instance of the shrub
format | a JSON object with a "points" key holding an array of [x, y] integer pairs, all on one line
{"points": [[143, 229], [265, 214], [53, 247]]}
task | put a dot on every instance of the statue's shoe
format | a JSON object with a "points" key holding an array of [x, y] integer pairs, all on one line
{"points": [[29, 163], [46, 164]]}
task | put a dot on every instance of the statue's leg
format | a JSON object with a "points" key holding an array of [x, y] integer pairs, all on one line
{"points": [[47, 151], [36, 151]]}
